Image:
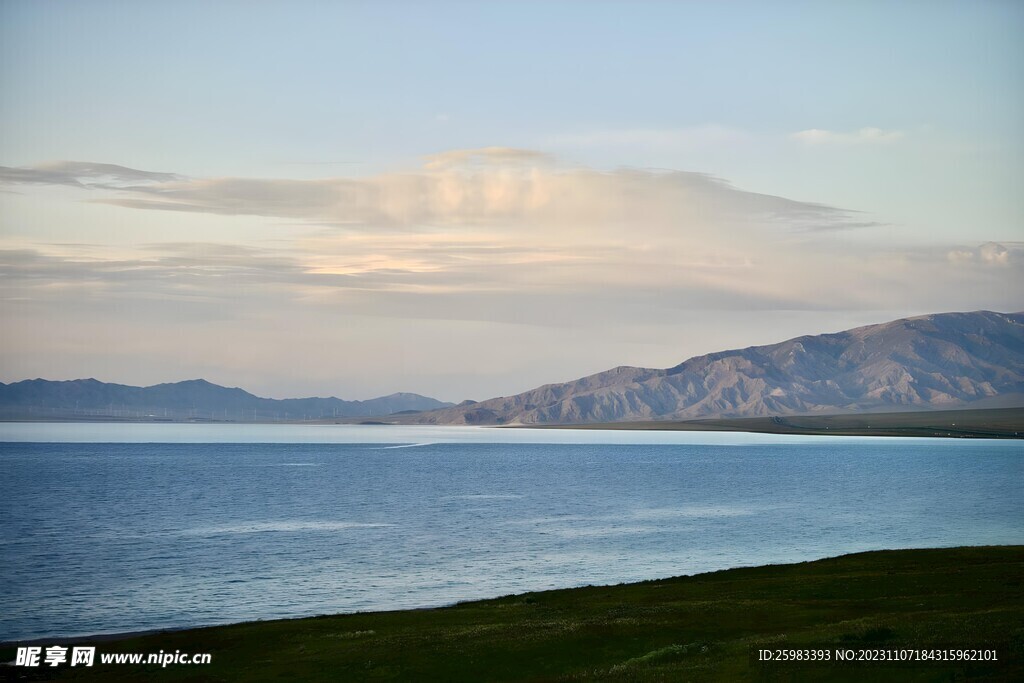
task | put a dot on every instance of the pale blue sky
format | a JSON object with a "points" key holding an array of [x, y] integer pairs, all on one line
{"points": [[906, 115], [253, 88]]}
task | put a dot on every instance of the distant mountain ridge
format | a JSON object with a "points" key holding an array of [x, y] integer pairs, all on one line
{"points": [[926, 362], [191, 399]]}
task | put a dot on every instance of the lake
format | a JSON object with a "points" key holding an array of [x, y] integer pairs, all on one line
{"points": [[111, 528]]}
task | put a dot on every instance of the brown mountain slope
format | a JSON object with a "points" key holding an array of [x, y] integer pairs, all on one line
{"points": [[934, 361]]}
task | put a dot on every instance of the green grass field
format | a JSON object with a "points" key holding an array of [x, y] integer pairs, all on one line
{"points": [[696, 628]]}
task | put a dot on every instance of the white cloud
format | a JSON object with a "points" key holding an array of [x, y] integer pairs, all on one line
{"points": [[817, 136], [990, 254], [994, 254], [491, 187], [960, 256]]}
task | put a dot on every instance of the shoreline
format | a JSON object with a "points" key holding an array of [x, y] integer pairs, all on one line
{"points": [[978, 423], [142, 633], [677, 628], [974, 423]]}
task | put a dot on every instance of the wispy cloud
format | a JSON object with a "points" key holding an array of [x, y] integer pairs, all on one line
{"points": [[81, 174], [864, 136], [492, 156]]}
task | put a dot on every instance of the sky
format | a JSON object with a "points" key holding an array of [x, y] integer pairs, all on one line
{"points": [[470, 199]]}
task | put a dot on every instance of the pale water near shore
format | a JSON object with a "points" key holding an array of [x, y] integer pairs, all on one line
{"points": [[112, 528], [405, 435]]}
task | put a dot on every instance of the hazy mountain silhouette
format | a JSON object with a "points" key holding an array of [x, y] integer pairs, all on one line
{"points": [[191, 399]]}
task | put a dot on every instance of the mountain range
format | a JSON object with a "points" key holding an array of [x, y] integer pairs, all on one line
{"points": [[937, 361], [194, 399], [941, 361]]}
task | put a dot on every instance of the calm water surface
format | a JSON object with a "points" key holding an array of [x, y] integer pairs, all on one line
{"points": [[109, 528]]}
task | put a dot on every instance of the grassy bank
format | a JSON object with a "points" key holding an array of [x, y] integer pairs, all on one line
{"points": [[994, 423], [688, 628]]}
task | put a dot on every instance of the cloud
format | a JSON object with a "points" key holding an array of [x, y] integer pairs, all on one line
{"points": [[521, 190], [960, 256], [994, 253], [507, 235], [990, 254], [81, 174], [486, 155], [864, 136], [491, 278]]}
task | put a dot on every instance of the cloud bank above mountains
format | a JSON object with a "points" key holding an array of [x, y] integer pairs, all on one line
{"points": [[476, 241], [516, 221]]}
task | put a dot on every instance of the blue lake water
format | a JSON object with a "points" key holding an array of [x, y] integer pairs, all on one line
{"points": [[109, 528]]}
